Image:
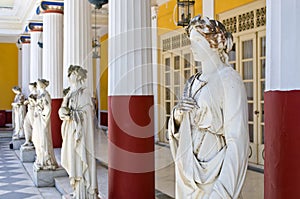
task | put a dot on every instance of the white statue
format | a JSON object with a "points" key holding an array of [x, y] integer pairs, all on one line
{"points": [[208, 128], [28, 121], [41, 133], [19, 112], [77, 153]]}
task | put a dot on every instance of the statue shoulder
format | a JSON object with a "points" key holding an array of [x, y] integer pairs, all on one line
{"points": [[231, 80]]}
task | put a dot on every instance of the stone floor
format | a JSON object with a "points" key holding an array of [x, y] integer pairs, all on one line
{"points": [[16, 181]]}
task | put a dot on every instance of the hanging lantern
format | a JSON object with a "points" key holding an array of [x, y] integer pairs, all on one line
{"points": [[185, 12], [98, 3]]}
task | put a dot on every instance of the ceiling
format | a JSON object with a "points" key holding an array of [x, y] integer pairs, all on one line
{"points": [[15, 15]]}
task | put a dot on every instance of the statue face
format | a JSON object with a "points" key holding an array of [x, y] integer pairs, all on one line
{"points": [[31, 88], [73, 77], [200, 46], [40, 86]]}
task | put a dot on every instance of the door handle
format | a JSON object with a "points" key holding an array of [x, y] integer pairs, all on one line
{"points": [[256, 112]]}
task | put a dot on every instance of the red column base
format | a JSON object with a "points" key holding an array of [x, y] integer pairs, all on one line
{"points": [[56, 123], [131, 147], [282, 141]]}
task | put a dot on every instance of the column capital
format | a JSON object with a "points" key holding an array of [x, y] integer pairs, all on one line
{"points": [[50, 7], [24, 39], [35, 26]]}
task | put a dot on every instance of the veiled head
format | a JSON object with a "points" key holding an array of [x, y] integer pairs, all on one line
{"points": [[214, 33], [79, 72], [42, 83], [16, 89]]}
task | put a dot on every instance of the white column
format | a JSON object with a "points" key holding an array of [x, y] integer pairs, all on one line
{"points": [[130, 109], [130, 48], [36, 55], [19, 46], [77, 38], [98, 87], [208, 8], [283, 30], [155, 68], [53, 53], [25, 68]]}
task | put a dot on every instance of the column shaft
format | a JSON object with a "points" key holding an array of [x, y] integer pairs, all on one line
{"points": [[282, 96], [53, 53], [208, 8], [130, 111], [77, 38], [25, 68], [36, 54], [53, 67]]}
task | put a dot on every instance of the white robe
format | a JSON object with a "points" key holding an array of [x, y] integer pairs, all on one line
{"points": [[77, 153], [28, 121], [19, 112], [41, 133], [210, 147]]}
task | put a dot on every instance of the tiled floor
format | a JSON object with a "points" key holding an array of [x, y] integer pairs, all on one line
{"points": [[15, 180]]}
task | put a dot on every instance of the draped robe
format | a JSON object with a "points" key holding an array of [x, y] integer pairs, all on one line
{"points": [[211, 143], [77, 154]]}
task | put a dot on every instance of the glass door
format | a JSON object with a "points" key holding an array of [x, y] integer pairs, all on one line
{"points": [[261, 37], [248, 72], [178, 67]]}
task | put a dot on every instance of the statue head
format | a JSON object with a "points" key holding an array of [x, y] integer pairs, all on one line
{"points": [[214, 33], [32, 86], [79, 72], [16, 89], [42, 83]]}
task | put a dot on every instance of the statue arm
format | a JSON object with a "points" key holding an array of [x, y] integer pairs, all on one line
{"points": [[46, 107], [64, 111], [233, 172]]}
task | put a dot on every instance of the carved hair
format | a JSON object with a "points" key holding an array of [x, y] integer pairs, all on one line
{"points": [[16, 88], [215, 33], [32, 84], [80, 72], [43, 82]]}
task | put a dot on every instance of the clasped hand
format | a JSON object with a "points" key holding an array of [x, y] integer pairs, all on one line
{"points": [[185, 105]]}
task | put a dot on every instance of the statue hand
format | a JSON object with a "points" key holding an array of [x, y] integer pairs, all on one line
{"points": [[187, 105], [64, 113]]}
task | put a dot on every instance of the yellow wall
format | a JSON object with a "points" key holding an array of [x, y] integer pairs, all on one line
{"points": [[8, 73], [165, 19], [166, 16], [104, 71], [222, 6]]}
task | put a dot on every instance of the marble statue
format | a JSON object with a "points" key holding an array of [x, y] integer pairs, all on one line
{"points": [[77, 153], [28, 121], [19, 112], [41, 133], [208, 128]]}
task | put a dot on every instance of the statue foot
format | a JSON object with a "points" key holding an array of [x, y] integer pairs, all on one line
{"points": [[27, 143]]}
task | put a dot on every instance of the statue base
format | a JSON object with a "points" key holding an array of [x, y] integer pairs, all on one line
{"points": [[67, 196], [15, 144], [27, 154], [45, 178]]}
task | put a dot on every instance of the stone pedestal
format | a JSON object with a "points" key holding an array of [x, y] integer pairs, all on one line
{"points": [[45, 178], [15, 144], [27, 154]]}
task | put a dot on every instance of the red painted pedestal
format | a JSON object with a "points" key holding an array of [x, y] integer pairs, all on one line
{"points": [[282, 145], [56, 123], [131, 147]]}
